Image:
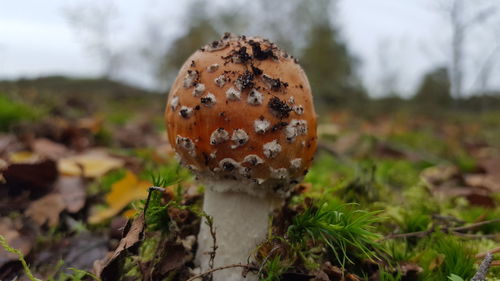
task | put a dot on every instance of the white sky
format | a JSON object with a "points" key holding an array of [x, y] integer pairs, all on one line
{"points": [[35, 38]]}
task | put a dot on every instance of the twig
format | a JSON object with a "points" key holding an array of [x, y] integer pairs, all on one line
{"points": [[493, 251], [474, 225], [483, 268], [474, 236], [146, 205], [452, 230], [409, 234], [210, 222], [246, 266]]}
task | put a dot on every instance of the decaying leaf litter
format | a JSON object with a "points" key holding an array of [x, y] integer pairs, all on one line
{"points": [[406, 198]]}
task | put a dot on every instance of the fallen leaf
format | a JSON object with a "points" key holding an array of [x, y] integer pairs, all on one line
{"points": [[3, 164], [79, 251], [26, 157], [333, 272], [475, 196], [36, 178], [49, 149], [410, 271], [46, 209], [72, 191], [116, 227], [92, 164], [122, 193], [11, 230], [129, 213], [483, 181], [108, 269], [437, 175], [92, 124], [491, 166], [7, 142], [173, 256]]}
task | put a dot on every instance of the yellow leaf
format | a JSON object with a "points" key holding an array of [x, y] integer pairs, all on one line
{"points": [[122, 193], [22, 157], [129, 213], [92, 164]]}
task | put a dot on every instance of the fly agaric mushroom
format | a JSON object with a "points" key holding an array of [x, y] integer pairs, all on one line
{"points": [[240, 116]]}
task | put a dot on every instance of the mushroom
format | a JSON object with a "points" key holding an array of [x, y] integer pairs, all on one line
{"points": [[243, 140]]}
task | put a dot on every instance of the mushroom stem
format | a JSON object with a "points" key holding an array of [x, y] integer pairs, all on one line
{"points": [[240, 221]]}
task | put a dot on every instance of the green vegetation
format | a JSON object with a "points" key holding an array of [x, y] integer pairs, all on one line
{"points": [[443, 255], [348, 232], [13, 112]]}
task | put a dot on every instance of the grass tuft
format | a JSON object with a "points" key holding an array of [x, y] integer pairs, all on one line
{"points": [[347, 231], [445, 255]]}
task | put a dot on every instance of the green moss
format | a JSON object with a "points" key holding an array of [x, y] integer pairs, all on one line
{"points": [[339, 227], [13, 112], [443, 255]]}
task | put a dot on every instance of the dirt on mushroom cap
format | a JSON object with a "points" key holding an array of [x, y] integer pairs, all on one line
{"points": [[245, 64]]}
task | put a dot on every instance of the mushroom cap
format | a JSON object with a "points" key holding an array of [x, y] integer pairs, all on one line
{"points": [[240, 108]]}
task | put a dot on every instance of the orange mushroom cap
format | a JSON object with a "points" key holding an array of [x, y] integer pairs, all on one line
{"points": [[242, 109]]}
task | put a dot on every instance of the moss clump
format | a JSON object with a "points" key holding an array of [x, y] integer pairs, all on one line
{"points": [[13, 112]]}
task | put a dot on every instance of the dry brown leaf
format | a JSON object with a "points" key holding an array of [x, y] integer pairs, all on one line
{"points": [[483, 181], [437, 175], [7, 143], [37, 178], [72, 191], [122, 193], [93, 164], [172, 257], [49, 149], [10, 230], [46, 209], [109, 268]]}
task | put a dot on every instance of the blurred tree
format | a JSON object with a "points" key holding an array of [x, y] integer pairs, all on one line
{"points": [[303, 28], [462, 16], [95, 24], [200, 30], [330, 67], [434, 90]]}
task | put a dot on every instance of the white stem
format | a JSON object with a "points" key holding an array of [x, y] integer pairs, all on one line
{"points": [[241, 223]]}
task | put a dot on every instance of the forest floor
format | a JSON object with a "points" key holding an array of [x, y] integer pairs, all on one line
{"points": [[391, 196]]}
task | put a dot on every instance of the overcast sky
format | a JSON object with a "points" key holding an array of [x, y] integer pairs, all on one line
{"points": [[388, 36]]}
